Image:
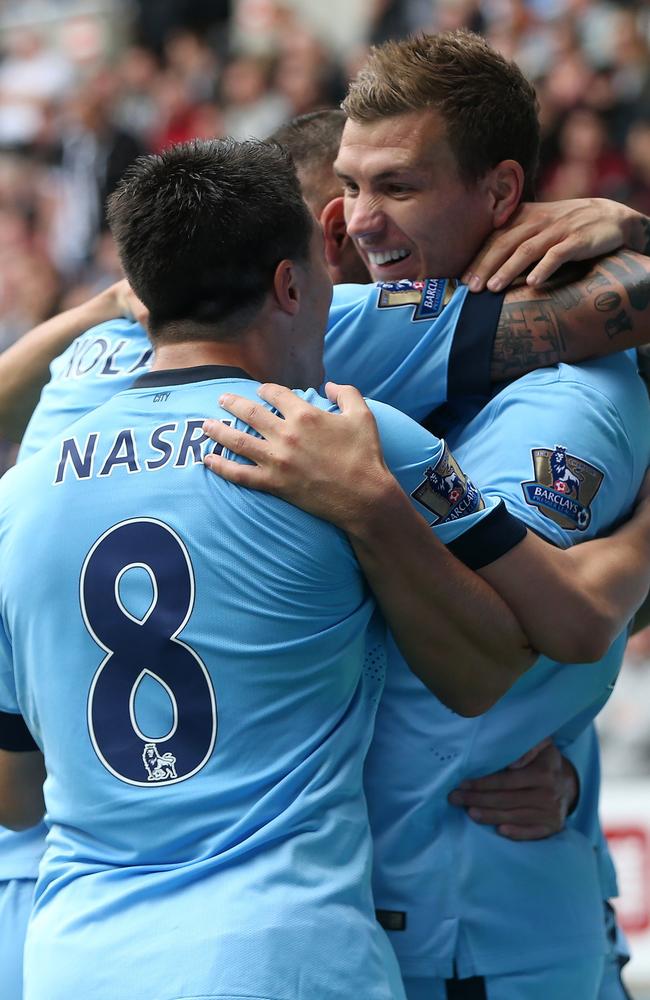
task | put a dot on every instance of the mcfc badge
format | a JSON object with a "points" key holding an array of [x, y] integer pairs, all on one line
{"points": [[428, 298], [446, 491], [564, 487]]}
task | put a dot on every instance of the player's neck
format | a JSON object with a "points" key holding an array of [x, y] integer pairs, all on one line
{"points": [[195, 353]]}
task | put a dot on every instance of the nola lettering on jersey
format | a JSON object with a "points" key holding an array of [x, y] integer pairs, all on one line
{"points": [[176, 443], [104, 357]]}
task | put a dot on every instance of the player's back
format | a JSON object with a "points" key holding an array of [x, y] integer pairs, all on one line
{"points": [[190, 656]]}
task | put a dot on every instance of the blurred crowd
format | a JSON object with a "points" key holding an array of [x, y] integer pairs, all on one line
{"points": [[86, 86]]}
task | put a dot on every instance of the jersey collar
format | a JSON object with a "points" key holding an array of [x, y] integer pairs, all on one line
{"points": [[183, 376]]}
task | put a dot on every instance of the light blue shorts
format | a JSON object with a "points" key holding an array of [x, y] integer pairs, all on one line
{"points": [[15, 906], [579, 980]]}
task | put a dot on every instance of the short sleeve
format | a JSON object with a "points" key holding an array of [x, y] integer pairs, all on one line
{"points": [[561, 455], [442, 493]]}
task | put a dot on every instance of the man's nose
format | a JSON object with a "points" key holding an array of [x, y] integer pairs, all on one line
{"points": [[363, 217]]}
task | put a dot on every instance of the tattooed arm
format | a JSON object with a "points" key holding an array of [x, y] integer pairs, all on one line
{"points": [[604, 310]]}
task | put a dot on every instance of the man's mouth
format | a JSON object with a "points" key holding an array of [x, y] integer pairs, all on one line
{"points": [[379, 258]]}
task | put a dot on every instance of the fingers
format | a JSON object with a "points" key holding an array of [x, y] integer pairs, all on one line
{"points": [[282, 399], [521, 818], [561, 253], [259, 417], [346, 397], [530, 755], [535, 832], [542, 248], [234, 472], [237, 441], [509, 780], [538, 798]]}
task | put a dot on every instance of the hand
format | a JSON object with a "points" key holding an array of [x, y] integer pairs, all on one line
{"points": [[550, 234], [128, 304], [529, 800], [329, 464]]}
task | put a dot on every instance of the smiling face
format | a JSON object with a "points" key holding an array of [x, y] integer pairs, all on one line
{"points": [[407, 209]]}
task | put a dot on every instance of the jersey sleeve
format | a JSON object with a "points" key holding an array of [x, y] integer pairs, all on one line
{"points": [[561, 455], [14, 734], [408, 343], [476, 529], [99, 363]]}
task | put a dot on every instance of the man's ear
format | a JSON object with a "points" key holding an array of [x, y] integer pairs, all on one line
{"points": [[504, 186], [286, 287], [335, 234]]}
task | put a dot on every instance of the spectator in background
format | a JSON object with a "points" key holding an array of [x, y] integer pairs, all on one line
{"points": [[137, 73], [587, 164], [637, 151], [623, 723], [32, 76], [157, 19], [252, 108], [93, 155]]}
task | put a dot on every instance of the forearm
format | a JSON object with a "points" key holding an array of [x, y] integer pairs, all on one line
{"points": [[21, 789], [573, 603], [604, 311], [615, 570], [24, 367], [454, 631]]}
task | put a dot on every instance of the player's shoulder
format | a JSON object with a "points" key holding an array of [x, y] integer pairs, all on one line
{"points": [[427, 297], [614, 378], [400, 435]]}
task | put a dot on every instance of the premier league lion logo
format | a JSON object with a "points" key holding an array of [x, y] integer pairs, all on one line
{"points": [[446, 491], [159, 767], [451, 486], [564, 481], [564, 487]]}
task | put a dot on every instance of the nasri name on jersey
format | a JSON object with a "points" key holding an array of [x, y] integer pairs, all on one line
{"points": [[179, 443]]}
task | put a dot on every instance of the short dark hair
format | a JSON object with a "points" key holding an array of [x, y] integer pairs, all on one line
{"points": [[313, 141], [201, 228], [488, 106]]}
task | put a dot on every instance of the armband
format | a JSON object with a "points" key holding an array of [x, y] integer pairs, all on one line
{"points": [[489, 539]]}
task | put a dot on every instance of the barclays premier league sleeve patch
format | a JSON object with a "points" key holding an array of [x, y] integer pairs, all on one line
{"points": [[446, 491], [564, 487], [427, 298]]}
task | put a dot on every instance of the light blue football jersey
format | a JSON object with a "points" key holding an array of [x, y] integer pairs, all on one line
{"points": [[567, 447], [393, 341], [203, 680], [99, 363]]}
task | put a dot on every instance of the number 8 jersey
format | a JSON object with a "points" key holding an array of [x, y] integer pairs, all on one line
{"points": [[200, 665]]}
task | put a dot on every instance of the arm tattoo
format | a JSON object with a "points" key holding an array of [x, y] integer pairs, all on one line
{"points": [[627, 269], [606, 309], [528, 336]]}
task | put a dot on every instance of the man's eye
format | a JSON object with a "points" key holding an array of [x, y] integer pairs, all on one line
{"points": [[349, 187], [398, 189]]}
